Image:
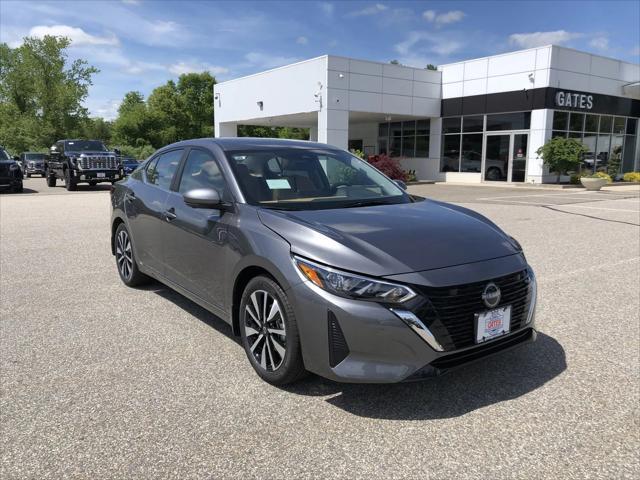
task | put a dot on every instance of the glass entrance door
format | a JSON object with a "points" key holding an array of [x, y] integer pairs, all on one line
{"points": [[496, 163], [505, 158], [519, 162]]}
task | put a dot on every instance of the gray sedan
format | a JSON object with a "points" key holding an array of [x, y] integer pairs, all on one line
{"points": [[319, 262]]}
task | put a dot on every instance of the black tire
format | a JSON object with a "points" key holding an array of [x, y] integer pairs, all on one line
{"points": [[19, 188], [93, 184], [264, 345], [127, 266], [493, 174], [51, 180], [28, 175], [70, 183]]}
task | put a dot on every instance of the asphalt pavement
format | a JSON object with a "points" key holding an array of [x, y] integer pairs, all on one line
{"points": [[102, 381]]}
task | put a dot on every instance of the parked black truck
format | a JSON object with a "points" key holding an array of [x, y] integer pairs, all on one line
{"points": [[81, 161], [32, 163]]}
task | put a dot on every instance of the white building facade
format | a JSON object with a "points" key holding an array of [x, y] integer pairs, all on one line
{"points": [[472, 121]]}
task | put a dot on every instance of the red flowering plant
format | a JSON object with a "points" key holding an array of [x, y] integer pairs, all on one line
{"points": [[390, 166]]}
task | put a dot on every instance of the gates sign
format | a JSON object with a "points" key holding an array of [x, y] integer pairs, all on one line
{"points": [[583, 101]]}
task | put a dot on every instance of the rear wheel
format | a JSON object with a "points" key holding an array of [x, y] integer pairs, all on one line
{"points": [[125, 260], [494, 174], [269, 332], [28, 175], [18, 188], [70, 182], [93, 184]]}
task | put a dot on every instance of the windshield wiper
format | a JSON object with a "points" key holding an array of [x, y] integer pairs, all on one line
{"points": [[368, 203]]}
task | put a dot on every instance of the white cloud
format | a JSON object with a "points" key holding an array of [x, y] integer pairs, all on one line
{"points": [[433, 43], [429, 15], [600, 43], [107, 109], [327, 8], [180, 68], [131, 2], [444, 18], [266, 60], [302, 40], [368, 11], [76, 35], [538, 39], [636, 51]]}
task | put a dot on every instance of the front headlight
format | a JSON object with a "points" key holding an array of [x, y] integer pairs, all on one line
{"points": [[350, 285], [14, 166]]}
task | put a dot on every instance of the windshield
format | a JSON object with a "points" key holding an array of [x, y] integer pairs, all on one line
{"points": [[4, 155], [85, 145], [305, 179], [34, 156]]}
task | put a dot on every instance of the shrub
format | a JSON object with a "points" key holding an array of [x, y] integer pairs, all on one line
{"points": [[357, 153], [631, 177], [410, 175], [389, 166], [601, 175]]}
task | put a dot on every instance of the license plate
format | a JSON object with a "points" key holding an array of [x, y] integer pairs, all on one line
{"points": [[493, 323], [101, 175]]}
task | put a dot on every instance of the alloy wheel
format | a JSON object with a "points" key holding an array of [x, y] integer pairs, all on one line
{"points": [[124, 255], [265, 330]]}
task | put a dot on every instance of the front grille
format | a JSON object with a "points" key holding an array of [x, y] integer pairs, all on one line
{"points": [[4, 170], [450, 311], [98, 162]]}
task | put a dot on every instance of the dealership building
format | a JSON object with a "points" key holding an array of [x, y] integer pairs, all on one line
{"points": [[471, 121]]}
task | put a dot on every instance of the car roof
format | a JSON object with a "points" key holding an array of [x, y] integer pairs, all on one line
{"points": [[251, 143]]}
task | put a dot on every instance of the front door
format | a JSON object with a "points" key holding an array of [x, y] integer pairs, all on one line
{"points": [[195, 238], [505, 158]]}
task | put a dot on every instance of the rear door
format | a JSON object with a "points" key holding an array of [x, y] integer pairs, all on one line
{"points": [[145, 207], [196, 238]]}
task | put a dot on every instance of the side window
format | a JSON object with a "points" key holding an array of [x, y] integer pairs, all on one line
{"points": [[201, 171], [161, 170]]}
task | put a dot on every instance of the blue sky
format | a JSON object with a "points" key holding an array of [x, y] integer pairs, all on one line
{"points": [[140, 44]]}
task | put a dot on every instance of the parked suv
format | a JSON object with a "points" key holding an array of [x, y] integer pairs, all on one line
{"points": [[32, 163], [81, 161], [10, 172], [321, 263]]}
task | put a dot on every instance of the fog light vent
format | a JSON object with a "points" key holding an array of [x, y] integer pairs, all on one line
{"points": [[338, 348]]}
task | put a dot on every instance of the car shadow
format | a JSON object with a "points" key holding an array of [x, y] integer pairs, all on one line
{"points": [[205, 316], [492, 380], [24, 190], [489, 381]]}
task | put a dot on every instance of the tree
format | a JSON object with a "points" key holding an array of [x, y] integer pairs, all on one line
{"points": [[431, 66], [273, 132], [562, 154], [196, 92], [41, 94], [394, 62]]}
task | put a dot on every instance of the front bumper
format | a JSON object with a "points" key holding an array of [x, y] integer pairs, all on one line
{"points": [[371, 344], [34, 170], [10, 182], [98, 176]]}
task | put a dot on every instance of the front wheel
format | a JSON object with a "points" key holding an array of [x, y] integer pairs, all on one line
{"points": [[51, 180], [70, 182], [125, 259], [269, 332]]}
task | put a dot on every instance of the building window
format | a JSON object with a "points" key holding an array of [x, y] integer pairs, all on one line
{"points": [[509, 121], [606, 137], [404, 139]]}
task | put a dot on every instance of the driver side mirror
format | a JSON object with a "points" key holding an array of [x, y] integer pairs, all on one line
{"points": [[401, 184], [16, 158], [203, 198]]}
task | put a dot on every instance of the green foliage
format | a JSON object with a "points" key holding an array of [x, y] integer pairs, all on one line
{"points": [[357, 153], [562, 154], [395, 62], [631, 177], [600, 175], [41, 93], [273, 132], [613, 167], [139, 153], [431, 66]]}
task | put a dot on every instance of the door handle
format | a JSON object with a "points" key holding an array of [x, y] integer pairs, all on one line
{"points": [[170, 214]]}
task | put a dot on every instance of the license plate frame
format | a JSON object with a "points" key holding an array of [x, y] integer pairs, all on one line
{"points": [[492, 324], [101, 175]]}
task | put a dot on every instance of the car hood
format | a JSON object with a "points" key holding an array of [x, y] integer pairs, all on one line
{"points": [[391, 239], [75, 153]]}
